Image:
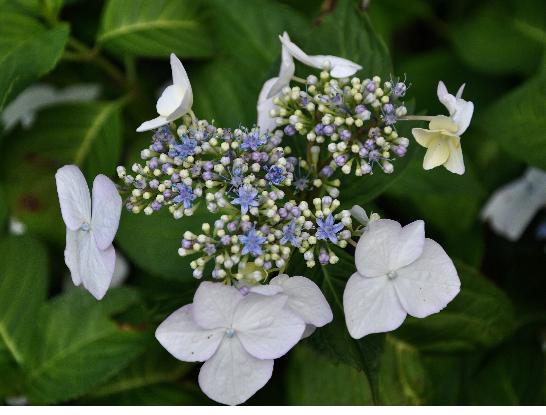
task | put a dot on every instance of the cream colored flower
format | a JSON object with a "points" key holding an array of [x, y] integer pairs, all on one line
{"points": [[443, 137]]}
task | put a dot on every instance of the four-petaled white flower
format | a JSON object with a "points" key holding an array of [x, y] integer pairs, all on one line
{"points": [[443, 137], [513, 206], [175, 101], [90, 228], [399, 272], [338, 67], [236, 335], [304, 298]]}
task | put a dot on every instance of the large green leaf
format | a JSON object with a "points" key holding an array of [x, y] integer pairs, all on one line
{"points": [[402, 378], [333, 340], [314, 380], [79, 349], [23, 285], [517, 121], [152, 242], [513, 375], [480, 316], [348, 33], [155, 367], [155, 28], [226, 89], [3, 209], [27, 51], [87, 134], [478, 38]]}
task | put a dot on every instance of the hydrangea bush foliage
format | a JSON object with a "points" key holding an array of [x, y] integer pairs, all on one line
{"points": [[239, 252]]}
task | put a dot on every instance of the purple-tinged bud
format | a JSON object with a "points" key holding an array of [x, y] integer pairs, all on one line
{"points": [[319, 128], [225, 240], [374, 132], [208, 165], [153, 183], [374, 155], [296, 212], [400, 151], [175, 178], [359, 109], [324, 258], [289, 130], [165, 167], [363, 152], [232, 226], [283, 213], [326, 171], [156, 205], [267, 265], [167, 193], [187, 244], [345, 135], [369, 144], [340, 160], [208, 175], [388, 108], [153, 163], [328, 130], [244, 290], [399, 89], [370, 87]]}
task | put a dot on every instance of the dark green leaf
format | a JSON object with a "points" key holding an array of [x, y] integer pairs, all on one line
{"points": [[517, 121], [155, 29], [3, 210], [27, 52], [79, 349], [87, 134], [227, 88], [152, 242], [348, 33], [23, 285], [402, 378], [513, 375], [314, 380], [155, 367], [477, 39], [480, 316]]}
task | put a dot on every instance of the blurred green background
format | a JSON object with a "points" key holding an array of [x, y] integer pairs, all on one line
{"points": [[108, 61]]}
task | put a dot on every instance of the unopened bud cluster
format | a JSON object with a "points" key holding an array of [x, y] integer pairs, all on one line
{"points": [[257, 190], [354, 120]]}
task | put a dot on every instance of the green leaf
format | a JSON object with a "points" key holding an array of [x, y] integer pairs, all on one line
{"points": [[155, 367], [333, 340], [517, 121], [402, 377], [27, 52], [79, 349], [23, 285], [247, 33], [12, 376], [3, 210], [311, 379], [480, 316], [444, 373], [348, 33], [87, 134], [152, 242], [513, 375], [478, 38], [155, 29]]}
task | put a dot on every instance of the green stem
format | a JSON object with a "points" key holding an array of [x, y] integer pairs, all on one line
{"points": [[82, 53]]}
